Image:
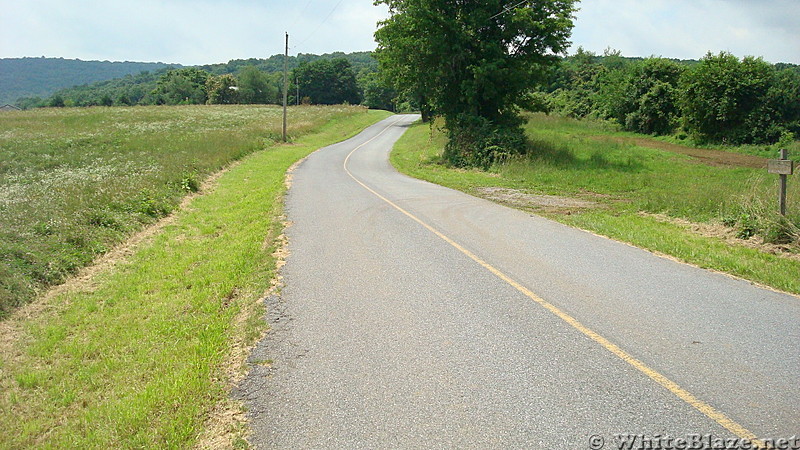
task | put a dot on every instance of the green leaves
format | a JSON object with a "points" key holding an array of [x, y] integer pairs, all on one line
{"points": [[740, 102], [472, 58], [182, 86], [255, 87], [327, 82]]}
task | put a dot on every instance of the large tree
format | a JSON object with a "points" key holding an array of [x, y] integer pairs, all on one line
{"points": [[182, 86], [473, 62], [327, 82], [222, 90], [255, 87], [642, 96], [725, 100]]}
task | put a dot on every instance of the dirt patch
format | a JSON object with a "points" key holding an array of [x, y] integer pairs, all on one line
{"points": [[705, 156], [517, 198], [729, 236]]}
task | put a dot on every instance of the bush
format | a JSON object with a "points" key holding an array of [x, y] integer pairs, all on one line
{"points": [[476, 142], [739, 102]]}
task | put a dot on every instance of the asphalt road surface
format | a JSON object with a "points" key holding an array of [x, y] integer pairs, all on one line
{"points": [[415, 316]]}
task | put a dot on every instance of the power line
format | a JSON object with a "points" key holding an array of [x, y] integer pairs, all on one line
{"points": [[320, 25], [507, 9], [299, 15]]}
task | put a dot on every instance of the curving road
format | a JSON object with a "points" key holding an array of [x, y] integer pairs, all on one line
{"points": [[417, 316]]}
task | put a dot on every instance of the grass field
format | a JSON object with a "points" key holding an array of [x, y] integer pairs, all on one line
{"points": [[140, 354], [74, 182], [636, 189]]}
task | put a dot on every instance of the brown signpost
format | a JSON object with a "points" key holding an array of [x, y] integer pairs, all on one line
{"points": [[783, 167]]}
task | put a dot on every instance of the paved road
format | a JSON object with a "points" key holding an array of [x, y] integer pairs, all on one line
{"points": [[503, 330]]}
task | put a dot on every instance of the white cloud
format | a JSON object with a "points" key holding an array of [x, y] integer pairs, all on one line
{"points": [[688, 29], [183, 31], [209, 31]]}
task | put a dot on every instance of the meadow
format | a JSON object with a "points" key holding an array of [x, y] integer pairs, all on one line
{"points": [[74, 182], [715, 208], [142, 351]]}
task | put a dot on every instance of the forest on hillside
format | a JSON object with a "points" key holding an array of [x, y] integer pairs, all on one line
{"points": [[41, 77], [319, 79]]}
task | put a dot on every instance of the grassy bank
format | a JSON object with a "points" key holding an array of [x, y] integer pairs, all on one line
{"points": [[134, 355], [74, 182], [636, 189]]}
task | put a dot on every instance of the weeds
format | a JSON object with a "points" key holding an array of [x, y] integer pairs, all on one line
{"points": [[75, 181], [755, 214]]}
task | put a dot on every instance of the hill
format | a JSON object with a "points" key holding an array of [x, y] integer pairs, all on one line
{"points": [[41, 77], [134, 89]]}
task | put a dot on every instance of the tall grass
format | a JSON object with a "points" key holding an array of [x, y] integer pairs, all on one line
{"points": [[566, 158], [74, 182]]}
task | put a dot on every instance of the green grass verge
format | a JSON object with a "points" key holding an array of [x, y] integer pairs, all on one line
{"points": [[626, 180], [134, 357]]}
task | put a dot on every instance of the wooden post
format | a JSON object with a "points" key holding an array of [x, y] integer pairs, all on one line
{"points": [[783, 167], [784, 156]]}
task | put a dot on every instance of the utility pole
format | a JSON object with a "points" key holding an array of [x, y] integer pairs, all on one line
{"points": [[297, 85], [285, 84]]}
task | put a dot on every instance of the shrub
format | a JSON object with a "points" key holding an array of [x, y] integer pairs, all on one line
{"points": [[476, 142]]}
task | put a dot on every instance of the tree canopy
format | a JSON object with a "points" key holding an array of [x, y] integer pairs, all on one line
{"points": [[731, 101], [42, 77], [327, 82], [255, 87], [222, 89], [472, 62], [182, 86], [719, 99]]}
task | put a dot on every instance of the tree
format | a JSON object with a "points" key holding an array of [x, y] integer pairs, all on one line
{"points": [[106, 100], [29, 102], [643, 96], [723, 98], [57, 101], [579, 82], [255, 87], [378, 95], [182, 86], [781, 105], [222, 90], [123, 99], [471, 62], [327, 82]]}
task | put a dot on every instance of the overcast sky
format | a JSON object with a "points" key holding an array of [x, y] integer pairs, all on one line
{"points": [[211, 31]]}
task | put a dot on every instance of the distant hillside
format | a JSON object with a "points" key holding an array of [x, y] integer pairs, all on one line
{"points": [[134, 89], [41, 77]]}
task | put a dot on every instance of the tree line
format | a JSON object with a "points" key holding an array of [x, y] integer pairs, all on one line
{"points": [[326, 79], [719, 99]]}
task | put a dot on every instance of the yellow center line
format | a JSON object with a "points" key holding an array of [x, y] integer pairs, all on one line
{"points": [[705, 408]]}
